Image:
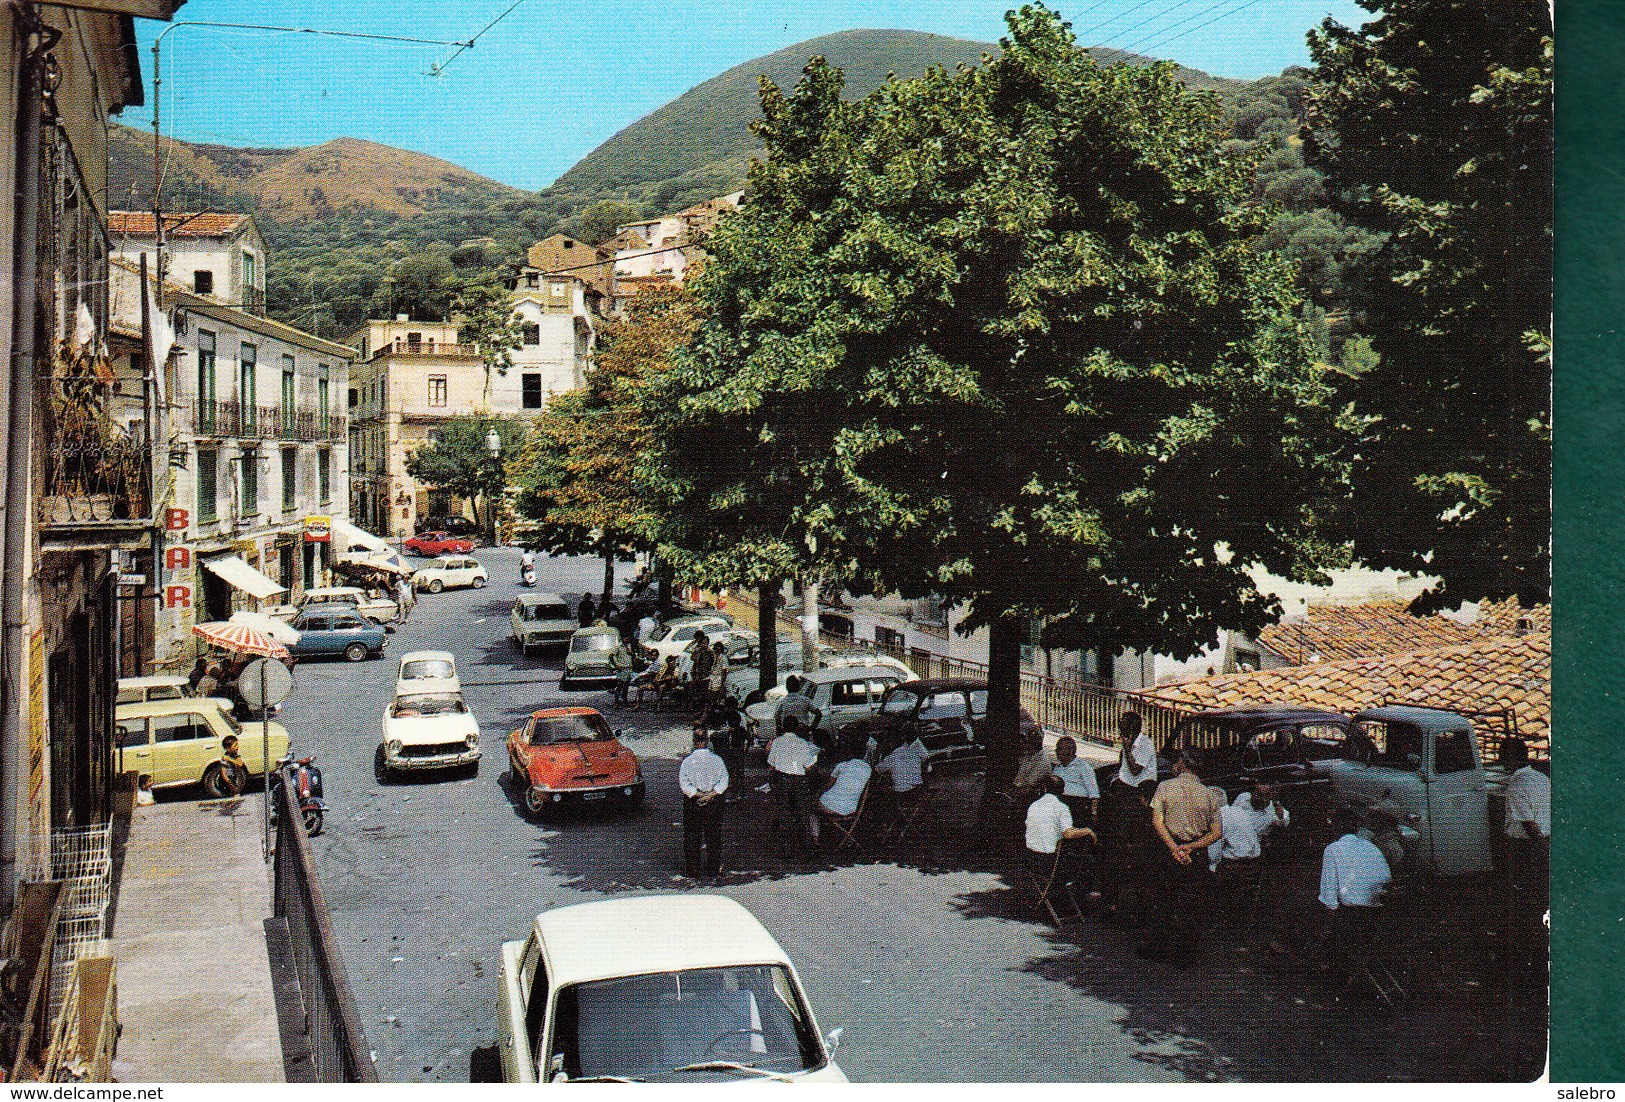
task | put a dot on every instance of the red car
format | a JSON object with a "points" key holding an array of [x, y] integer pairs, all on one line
{"points": [[434, 544], [565, 757]]}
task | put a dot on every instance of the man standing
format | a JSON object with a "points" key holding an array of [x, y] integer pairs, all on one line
{"points": [[647, 626], [1082, 792], [1529, 823], [405, 599], [790, 757], [703, 777], [797, 704], [701, 659], [1131, 846], [1353, 876], [585, 610], [1185, 816]]}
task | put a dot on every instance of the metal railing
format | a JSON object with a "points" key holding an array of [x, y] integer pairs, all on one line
{"points": [[97, 462], [337, 1044], [228, 418]]}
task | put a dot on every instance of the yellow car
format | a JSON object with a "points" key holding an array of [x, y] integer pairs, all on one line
{"points": [[179, 742]]}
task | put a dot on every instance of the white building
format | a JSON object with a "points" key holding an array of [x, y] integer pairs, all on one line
{"points": [[221, 256], [662, 250], [557, 333]]}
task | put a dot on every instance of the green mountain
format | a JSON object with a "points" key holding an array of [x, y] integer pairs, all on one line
{"points": [[700, 144]]}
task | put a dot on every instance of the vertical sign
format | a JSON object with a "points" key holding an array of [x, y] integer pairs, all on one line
{"points": [[36, 850]]}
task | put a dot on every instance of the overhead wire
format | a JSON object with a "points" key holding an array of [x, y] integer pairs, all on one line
{"points": [[1109, 20], [1153, 17], [1217, 4], [1161, 42], [436, 70]]}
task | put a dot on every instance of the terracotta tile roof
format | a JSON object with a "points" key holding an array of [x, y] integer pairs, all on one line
{"points": [[138, 223], [1502, 617], [1485, 674], [1336, 632]]}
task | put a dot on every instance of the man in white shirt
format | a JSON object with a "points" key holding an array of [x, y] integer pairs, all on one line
{"points": [[647, 626], [1049, 827], [703, 777], [1138, 764], [904, 766], [1082, 792], [1353, 876], [790, 757], [847, 781], [1245, 822], [1528, 822], [1131, 845]]}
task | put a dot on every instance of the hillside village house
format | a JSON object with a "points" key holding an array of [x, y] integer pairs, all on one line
{"points": [[254, 463], [209, 253], [594, 265], [77, 494], [661, 250]]}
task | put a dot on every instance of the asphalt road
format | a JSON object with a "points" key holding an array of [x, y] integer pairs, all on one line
{"points": [[926, 955]]}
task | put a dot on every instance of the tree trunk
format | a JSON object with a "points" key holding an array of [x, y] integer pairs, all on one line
{"points": [[1004, 699], [809, 625], [609, 576], [767, 633], [663, 591]]}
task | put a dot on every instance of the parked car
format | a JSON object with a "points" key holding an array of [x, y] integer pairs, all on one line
{"points": [[948, 715], [1274, 744], [843, 695], [541, 619], [588, 660], [178, 741], [381, 609], [427, 671], [667, 989], [568, 757], [674, 636], [434, 544], [139, 690], [450, 572], [427, 731], [1422, 766], [452, 525], [337, 629]]}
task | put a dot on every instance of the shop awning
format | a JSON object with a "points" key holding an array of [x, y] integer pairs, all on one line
{"points": [[244, 577], [347, 537]]}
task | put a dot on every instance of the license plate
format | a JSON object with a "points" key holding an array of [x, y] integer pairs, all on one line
{"points": [[593, 795]]}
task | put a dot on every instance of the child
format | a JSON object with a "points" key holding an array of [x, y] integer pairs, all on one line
{"points": [[143, 790]]}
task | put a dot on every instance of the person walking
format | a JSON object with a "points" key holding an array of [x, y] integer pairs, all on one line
{"points": [[703, 778], [405, 599], [1185, 815]]}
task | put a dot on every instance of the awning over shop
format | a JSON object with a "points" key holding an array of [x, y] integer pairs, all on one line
{"points": [[244, 577], [347, 537]]}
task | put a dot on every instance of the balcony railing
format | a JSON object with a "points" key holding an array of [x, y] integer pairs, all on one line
{"points": [[98, 462], [222, 417]]}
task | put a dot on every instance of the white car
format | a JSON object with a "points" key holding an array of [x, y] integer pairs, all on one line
{"points": [[449, 572], [540, 619], [140, 690], [427, 731], [659, 989], [381, 609], [842, 695], [427, 671], [674, 637], [743, 682]]}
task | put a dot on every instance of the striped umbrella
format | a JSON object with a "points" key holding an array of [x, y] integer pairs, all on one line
{"points": [[241, 639]]}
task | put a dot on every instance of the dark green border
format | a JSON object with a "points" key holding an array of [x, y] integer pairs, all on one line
{"points": [[1588, 837]]}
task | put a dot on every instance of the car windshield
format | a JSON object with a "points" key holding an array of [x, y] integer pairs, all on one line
{"points": [[427, 668], [683, 1026], [231, 721], [544, 612], [448, 705], [1398, 745], [580, 728], [596, 641], [943, 706]]}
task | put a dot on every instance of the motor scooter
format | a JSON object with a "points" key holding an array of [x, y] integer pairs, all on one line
{"points": [[307, 790], [527, 574]]}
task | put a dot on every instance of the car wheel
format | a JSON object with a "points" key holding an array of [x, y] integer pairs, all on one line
{"points": [[380, 768], [535, 802], [478, 583], [436, 585], [356, 652]]}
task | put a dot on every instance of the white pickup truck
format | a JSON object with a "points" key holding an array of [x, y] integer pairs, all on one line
{"points": [[662, 989]]}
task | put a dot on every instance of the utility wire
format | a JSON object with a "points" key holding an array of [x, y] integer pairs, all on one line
{"points": [[1161, 42], [1153, 17], [1109, 20], [436, 70], [1180, 23]]}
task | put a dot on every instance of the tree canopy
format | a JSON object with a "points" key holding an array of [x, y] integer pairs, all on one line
{"points": [[1432, 125], [457, 459]]}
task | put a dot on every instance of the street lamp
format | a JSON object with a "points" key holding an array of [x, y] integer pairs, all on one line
{"points": [[493, 444]]}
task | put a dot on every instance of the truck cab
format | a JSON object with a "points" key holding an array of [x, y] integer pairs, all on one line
{"points": [[1422, 766]]}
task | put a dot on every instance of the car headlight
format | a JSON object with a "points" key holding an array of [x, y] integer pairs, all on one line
{"points": [[473, 739], [393, 746]]}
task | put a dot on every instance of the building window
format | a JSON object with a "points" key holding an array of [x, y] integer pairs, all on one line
{"points": [[324, 474], [205, 381], [203, 282], [322, 400], [208, 461], [288, 395], [531, 390], [250, 463], [890, 638], [251, 279], [437, 390], [414, 341], [247, 368], [353, 395], [290, 472], [531, 334]]}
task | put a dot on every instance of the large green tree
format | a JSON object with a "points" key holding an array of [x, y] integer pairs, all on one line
{"points": [[1433, 126], [1003, 334], [458, 459]]}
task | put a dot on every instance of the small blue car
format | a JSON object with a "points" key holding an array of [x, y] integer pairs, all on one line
{"points": [[336, 629]]}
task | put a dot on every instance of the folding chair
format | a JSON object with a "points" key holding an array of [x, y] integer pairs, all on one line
{"points": [[910, 810], [1044, 888], [846, 826]]}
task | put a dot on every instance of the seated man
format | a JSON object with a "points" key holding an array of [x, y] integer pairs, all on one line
{"points": [[846, 784], [666, 682], [1244, 823], [1034, 766], [903, 766], [1049, 826], [1082, 791]]}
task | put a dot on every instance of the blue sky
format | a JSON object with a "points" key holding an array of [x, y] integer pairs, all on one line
{"points": [[556, 77]]}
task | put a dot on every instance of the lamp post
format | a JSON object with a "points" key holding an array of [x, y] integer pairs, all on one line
{"points": [[493, 444]]}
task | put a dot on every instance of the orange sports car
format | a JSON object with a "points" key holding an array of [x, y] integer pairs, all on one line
{"points": [[568, 756]]}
